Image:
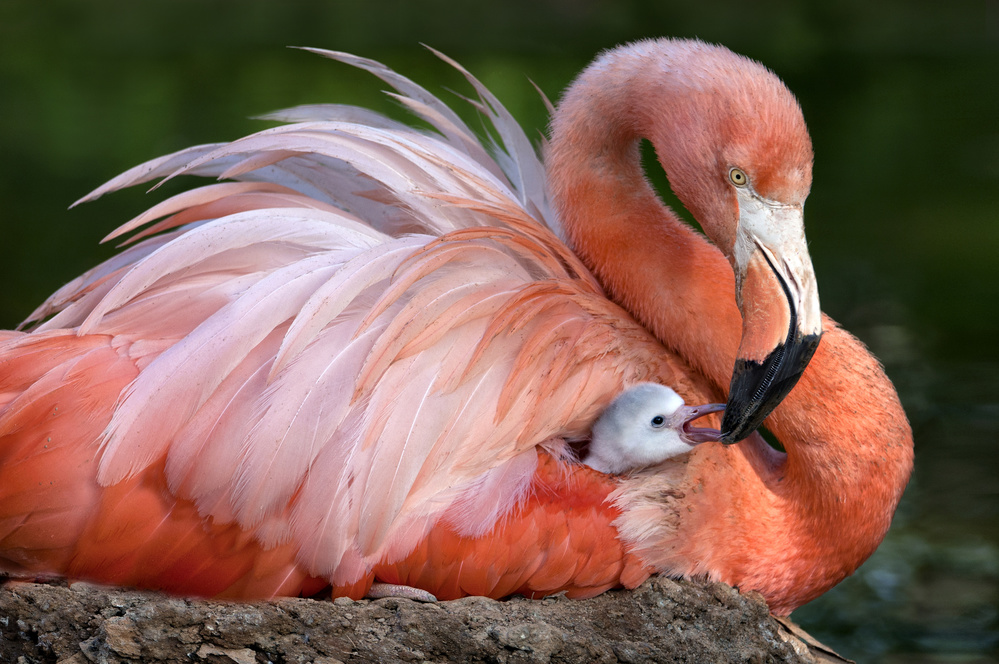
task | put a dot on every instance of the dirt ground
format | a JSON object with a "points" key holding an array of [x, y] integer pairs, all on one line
{"points": [[662, 621]]}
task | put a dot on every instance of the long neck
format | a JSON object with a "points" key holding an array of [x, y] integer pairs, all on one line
{"points": [[849, 446], [649, 261], [795, 529]]}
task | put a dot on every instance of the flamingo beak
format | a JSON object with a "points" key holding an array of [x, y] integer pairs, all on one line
{"points": [[782, 323], [692, 435]]}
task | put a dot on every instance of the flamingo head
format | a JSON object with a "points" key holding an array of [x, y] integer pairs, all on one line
{"points": [[742, 164]]}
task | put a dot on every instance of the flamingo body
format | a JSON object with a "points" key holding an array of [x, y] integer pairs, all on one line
{"points": [[361, 357]]}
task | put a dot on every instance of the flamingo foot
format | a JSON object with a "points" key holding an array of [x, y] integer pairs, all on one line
{"points": [[379, 590]]}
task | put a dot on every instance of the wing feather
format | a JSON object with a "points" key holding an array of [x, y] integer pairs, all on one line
{"points": [[371, 328]]}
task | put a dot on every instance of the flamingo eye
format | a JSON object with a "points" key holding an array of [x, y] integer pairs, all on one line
{"points": [[658, 421], [738, 177]]}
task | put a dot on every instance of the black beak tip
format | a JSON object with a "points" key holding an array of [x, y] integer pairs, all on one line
{"points": [[759, 387], [728, 437]]}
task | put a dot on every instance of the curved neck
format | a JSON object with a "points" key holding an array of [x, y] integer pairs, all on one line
{"points": [[800, 527], [849, 446], [650, 262]]}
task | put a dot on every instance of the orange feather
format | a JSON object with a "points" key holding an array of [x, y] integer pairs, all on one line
{"points": [[368, 358]]}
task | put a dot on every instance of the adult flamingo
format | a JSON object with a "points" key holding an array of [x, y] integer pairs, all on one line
{"points": [[360, 360]]}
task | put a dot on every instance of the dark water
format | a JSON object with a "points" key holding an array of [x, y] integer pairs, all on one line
{"points": [[903, 103]]}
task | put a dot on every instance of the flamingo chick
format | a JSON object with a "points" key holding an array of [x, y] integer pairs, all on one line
{"points": [[645, 425]]}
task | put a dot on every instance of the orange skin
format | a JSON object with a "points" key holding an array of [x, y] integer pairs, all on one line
{"points": [[788, 526]]}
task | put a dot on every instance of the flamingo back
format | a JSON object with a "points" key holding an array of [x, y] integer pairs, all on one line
{"points": [[366, 331]]}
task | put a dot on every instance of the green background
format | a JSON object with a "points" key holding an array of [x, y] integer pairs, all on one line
{"points": [[902, 100]]}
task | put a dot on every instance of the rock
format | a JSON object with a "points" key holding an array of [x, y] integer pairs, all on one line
{"points": [[661, 621]]}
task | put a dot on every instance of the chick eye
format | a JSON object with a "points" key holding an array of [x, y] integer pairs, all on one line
{"points": [[738, 177], [658, 421]]}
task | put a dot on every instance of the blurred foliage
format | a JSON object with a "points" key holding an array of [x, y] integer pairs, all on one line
{"points": [[901, 99]]}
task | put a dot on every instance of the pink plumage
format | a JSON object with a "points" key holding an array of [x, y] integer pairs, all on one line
{"points": [[362, 358]]}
